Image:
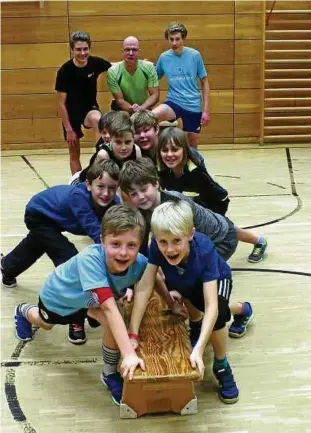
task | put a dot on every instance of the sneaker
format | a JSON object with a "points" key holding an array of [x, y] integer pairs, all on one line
{"points": [[76, 334], [114, 382], [240, 321], [23, 328], [258, 251], [195, 330], [228, 391], [6, 280]]}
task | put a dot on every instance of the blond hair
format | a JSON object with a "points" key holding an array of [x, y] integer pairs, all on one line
{"points": [[174, 217]]}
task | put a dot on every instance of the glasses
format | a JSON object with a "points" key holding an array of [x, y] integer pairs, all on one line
{"points": [[128, 50]]}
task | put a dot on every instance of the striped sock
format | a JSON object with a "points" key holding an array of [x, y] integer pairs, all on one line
{"points": [[24, 308], [111, 359]]}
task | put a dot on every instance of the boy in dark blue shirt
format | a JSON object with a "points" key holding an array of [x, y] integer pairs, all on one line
{"points": [[193, 268], [75, 209]]}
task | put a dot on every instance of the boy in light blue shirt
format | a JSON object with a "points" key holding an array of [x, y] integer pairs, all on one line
{"points": [[183, 67], [88, 285]]}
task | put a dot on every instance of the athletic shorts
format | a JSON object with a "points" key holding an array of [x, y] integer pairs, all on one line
{"points": [[76, 120], [55, 319], [191, 120]]}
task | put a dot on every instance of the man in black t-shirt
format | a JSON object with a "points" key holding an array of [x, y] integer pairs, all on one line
{"points": [[76, 86]]}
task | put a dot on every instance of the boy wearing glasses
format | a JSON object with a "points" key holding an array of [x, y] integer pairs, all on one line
{"points": [[133, 82]]}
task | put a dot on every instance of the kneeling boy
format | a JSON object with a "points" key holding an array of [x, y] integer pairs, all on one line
{"points": [[88, 285], [192, 267]]}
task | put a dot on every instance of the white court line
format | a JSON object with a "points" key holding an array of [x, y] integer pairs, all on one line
{"points": [[279, 224]]}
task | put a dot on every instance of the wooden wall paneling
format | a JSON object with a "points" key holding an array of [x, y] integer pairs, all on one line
{"points": [[248, 7], [33, 8], [246, 125], [31, 130], [220, 76], [221, 101], [248, 51], [39, 106], [149, 27], [150, 8], [289, 5], [247, 76], [247, 100], [221, 125], [34, 30], [34, 55], [248, 26], [25, 81]]}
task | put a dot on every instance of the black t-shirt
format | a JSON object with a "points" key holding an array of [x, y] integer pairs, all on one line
{"points": [[80, 84]]}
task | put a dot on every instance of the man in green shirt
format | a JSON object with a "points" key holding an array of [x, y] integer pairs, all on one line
{"points": [[133, 82]]}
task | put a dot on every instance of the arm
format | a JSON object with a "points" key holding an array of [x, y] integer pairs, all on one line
{"points": [[209, 319], [206, 107], [123, 104], [61, 99], [152, 100], [84, 214], [142, 294]]}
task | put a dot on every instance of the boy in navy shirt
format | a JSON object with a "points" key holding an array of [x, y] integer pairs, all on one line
{"points": [[193, 268], [75, 209], [89, 284]]}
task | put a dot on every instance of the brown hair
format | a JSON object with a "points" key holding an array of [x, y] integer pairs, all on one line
{"points": [[79, 36], [144, 118], [120, 124], [121, 218], [139, 172], [176, 27], [98, 168]]}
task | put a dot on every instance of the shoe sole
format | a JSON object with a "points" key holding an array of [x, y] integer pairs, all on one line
{"points": [[233, 335], [77, 342], [104, 383], [9, 286], [17, 336]]}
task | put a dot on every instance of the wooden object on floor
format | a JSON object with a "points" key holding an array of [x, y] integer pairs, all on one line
{"points": [[167, 383]]}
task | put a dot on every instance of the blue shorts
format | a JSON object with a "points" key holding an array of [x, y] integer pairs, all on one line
{"points": [[191, 120]]}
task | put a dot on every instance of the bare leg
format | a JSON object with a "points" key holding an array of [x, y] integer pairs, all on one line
{"points": [[74, 157], [236, 308], [34, 318], [193, 139], [246, 236], [219, 342], [108, 339], [164, 112], [91, 121]]}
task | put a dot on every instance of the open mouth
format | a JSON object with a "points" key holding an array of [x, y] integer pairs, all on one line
{"points": [[172, 256]]}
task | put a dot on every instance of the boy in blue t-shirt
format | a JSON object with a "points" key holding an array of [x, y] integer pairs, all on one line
{"points": [[194, 271], [89, 284], [75, 209]]}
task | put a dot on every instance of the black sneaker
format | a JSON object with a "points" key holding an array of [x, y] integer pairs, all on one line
{"points": [[258, 251], [6, 280], [76, 333]]}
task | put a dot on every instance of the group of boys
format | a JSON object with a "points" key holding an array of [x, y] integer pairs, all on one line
{"points": [[189, 244]]}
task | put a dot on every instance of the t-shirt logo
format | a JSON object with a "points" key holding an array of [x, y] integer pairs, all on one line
{"points": [[90, 75], [44, 314], [179, 69]]}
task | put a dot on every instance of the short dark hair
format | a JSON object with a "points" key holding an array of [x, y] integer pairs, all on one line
{"points": [[176, 27], [106, 120], [143, 119], [120, 124], [98, 168], [79, 36], [121, 218], [139, 172]]}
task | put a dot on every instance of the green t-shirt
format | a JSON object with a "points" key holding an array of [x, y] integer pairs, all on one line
{"points": [[133, 86]]}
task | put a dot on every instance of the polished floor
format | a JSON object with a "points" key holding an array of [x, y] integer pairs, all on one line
{"points": [[49, 385]]}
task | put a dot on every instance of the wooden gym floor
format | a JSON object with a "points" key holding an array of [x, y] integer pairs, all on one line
{"points": [[49, 385]]}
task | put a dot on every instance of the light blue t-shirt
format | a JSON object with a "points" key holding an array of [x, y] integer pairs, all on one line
{"points": [[68, 288], [182, 72]]}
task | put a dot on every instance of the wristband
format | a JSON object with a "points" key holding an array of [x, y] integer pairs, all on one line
{"points": [[133, 336]]}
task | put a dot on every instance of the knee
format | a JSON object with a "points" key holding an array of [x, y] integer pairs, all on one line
{"points": [[46, 326]]}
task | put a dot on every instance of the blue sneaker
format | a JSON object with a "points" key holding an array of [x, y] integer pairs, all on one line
{"points": [[228, 391], [114, 382], [23, 328], [241, 321]]}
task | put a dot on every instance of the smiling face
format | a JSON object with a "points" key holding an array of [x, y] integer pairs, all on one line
{"points": [[176, 42], [103, 190], [146, 137], [144, 196], [121, 249], [122, 146], [172, 155], [174, 248], [81, 52]]}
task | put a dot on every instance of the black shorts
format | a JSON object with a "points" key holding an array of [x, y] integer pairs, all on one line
{"points": [[196, 297], [55, 319], [76, 119]]}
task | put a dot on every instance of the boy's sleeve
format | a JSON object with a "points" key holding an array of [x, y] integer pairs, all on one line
{"points": [[211, 270], [85, 215], [152, 76], [92, 272], [159, 68], [61, 84], [142, 263], [154, 255], [200, 67], [112, 79], [103, 65]]}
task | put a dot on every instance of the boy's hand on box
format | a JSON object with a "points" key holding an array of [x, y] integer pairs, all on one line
{"points": [[180, 310], [127, 297], [196, 361], [129, 364]]}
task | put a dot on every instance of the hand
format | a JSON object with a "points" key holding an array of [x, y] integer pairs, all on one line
{"points": [[180, 310], [135, 107], [196, 361], [176, 296], [72, 138], [129, 364], [205, 118], [127, 297]]}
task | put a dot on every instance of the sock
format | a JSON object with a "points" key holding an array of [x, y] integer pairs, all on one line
{"points": [[111, 359], [260, 240], [24, 308], [220, 363]]}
